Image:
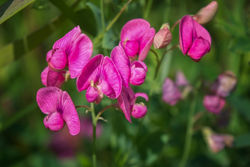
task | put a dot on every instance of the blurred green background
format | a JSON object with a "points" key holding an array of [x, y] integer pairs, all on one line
{"points": [[157, 140]]}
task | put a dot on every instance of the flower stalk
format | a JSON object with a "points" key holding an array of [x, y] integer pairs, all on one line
{"points": [[94, 121]]}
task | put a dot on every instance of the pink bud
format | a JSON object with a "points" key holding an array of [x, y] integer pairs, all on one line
{"points": [[207, 13], [213, 103], [138, 73], [139, 110], [225, 83], [163, 37]]}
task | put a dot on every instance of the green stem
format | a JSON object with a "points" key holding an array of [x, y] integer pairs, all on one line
{"points": [[189, 134], [100, 36], [94, 133], [148, 8], [156, 55]]}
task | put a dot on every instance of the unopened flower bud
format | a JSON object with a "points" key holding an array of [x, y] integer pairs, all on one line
{"points": [[138, 73], [163, 37], [139, 110], [224, 84], [207, 13], [213, 103], [92, 94]]}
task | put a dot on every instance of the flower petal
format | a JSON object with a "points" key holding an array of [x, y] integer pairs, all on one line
{"points": [[202, 32], [146, 43], [138, 73], [91, 71], [66, 41], [69, 114], [80, 53], [48, 99], [111, 75], [54, 78], [143, 95], [54, 121], [171, 93], [126, 101], [57, 59], [186, 32], [213, 103], [198, 49], [134, 29], [139, 111], [122, 63]]}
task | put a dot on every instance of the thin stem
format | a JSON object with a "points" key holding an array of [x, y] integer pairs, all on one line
{"points": [[162, 58], [156, 55], [92, 106], [100, 36], [175, 24], [83, 106], [104, 109], [189, 134]]}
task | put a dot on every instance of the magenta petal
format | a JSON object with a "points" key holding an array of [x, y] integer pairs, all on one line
{"points": [[126, 101], [111, 75], [138, 73], [202, 32], [139, 111], [66, 41], [186, 33], [91, 71], [92, 94], [70, 114], [134, 29], [213, 103], [47, 99], [54, 121], [122, 63], [44, 76], [146, 43], [79, 55], [199, 48], [143, 95], [131, 48], [57, 59], [55, 78]]}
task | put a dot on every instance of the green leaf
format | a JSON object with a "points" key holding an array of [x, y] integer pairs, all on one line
{"points": [[242, 141], [85, 17], [11, 7], [241, 105], [18, 48]]}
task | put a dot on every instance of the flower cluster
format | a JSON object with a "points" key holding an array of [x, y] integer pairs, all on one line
{"points": [[221, 88], [99, 75]]}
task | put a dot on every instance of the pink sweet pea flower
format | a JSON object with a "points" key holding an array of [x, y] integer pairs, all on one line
{"points": [[137, 38], [138, 73], [126, 102], [72, 51], [225, 84], [171, 93], [101, 74], [59, 108], [180, 79], [195, 41], [213, 103]]}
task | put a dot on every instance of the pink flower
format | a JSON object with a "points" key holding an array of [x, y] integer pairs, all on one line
{"points": [[224, 84], [137, 38], [126, 102], [207, 13], [195, 41], [213, 103], [138, 73], [73, 51], [101, 74], [180, 79], [59, 107], [163, 37], [171, 93]]}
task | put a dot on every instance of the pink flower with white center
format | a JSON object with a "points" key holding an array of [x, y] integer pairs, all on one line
{"points": [[171, 93], [59, 108], [136, 38], [101, 74], [214, 103], [127, 103], [195, 41], [73, 51]]}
